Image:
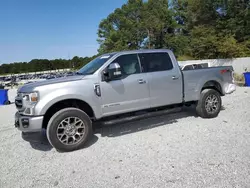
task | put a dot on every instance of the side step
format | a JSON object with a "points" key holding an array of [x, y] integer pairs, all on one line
{"points": [[141, 116]]}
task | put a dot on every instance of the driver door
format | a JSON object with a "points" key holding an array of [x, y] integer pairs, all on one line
{"points": [[129, 92]]}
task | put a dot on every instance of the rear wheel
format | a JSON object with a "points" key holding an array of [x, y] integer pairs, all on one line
{"points": [[69, 129], [209, 105]]}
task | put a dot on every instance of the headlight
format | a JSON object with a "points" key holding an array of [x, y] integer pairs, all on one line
{"points": [[31, 97]]}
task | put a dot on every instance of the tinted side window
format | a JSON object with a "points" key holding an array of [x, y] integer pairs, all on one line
{"points": [[152, 62], [129, 64]]}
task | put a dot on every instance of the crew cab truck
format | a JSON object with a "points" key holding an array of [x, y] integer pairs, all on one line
{"points": [[114, 84]]}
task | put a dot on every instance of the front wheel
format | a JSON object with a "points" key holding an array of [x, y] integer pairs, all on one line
{"points": [[209, 105], [69, 129]]}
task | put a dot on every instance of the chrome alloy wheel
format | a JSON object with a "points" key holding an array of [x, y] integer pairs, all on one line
{"points": [[71, 130], [211, 104]]}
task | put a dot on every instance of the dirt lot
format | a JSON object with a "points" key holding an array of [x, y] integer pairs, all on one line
{"points": [[176, 150]]}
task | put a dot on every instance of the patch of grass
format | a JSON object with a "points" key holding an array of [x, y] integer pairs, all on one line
{"points": [[239, 77]]}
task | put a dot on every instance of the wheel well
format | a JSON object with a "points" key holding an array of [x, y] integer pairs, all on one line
{"points": [[213, 85], [65, 104]]}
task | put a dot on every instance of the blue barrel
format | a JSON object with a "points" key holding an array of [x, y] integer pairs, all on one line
{"points": [[247, 78], [4, 96]]}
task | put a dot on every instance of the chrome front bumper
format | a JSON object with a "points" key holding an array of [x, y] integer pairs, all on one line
{"points": [[28, 123]]}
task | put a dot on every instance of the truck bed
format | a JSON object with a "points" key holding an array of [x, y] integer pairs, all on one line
{"points": [[195, 79]]}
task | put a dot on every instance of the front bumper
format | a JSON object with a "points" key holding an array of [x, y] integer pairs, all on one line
{"points": [[28, 123]]}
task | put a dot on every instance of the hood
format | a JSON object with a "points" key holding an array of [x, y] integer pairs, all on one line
{"points": [[30, 86]]}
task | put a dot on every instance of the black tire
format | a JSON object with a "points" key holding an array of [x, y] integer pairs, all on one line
{"points": [[201, 109], [54, 123]]}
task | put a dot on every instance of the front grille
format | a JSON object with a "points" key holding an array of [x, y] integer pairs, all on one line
{"points": [[19, 103]]}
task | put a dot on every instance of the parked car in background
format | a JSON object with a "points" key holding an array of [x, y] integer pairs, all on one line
{"points": [[115, 87], [11, 84], [193, 66]]}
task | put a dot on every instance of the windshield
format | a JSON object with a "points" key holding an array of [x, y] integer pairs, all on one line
{"points": [[94, 65]]}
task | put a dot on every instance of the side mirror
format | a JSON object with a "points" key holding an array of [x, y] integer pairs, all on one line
{"points": [[113, 72]]}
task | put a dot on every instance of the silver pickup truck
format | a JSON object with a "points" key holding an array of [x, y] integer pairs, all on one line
{"points": [[113, 86]]}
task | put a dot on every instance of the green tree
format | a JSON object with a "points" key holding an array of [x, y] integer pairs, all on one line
{"points": [[217, 29], [157, 22], [139, 24], [121, 30]]}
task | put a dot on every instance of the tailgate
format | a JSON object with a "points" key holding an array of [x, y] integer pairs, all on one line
{"points": [[227, 73], [228, 79]]}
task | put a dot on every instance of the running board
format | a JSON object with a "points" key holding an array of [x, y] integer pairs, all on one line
{"points": [[142, 116]]}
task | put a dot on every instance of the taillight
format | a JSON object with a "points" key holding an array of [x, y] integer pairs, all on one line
{"points": [[225, 71]]}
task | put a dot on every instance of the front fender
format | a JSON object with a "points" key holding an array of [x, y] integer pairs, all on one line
{"points": [[59, 95], [51, 98]]}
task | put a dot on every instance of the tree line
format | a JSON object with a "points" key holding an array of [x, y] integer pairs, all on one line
{"points": [[37, 65], [193, 29]]}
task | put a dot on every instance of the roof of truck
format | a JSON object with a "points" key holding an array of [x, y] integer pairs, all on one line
{"points": [[138, 51]]}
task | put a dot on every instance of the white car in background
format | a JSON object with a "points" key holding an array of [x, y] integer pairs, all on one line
{"points": [[194, 66]]}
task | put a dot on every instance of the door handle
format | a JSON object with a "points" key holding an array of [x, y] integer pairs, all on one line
{"points": [[175, 77], [141, 81]]}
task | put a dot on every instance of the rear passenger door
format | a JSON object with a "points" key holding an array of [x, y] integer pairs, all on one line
{"points": [[165, 83]]}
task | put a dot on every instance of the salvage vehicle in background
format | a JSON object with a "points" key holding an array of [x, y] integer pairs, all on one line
{"points": [[193, 66], [113, 86]]}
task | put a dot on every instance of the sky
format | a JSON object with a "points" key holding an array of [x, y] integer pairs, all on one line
{"points": [[35, 29]]}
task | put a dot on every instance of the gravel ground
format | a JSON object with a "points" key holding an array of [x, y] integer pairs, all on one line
{"points": [[176, 150]]}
